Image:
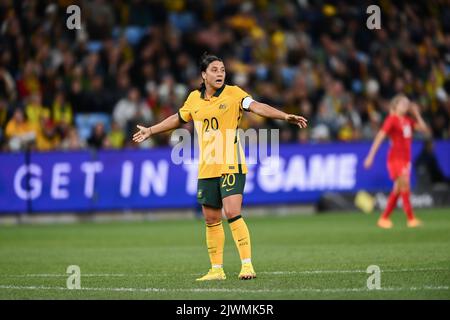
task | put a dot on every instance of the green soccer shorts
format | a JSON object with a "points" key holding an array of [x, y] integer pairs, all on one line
{"points": [[211, 191]]}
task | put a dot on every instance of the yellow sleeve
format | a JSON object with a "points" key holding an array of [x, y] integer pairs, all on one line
{"points": [[240, 95], [10, 129], [184, 114]]}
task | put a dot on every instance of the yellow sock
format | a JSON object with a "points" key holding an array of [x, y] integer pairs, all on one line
{"points": [[241, 237], [215, 240]]}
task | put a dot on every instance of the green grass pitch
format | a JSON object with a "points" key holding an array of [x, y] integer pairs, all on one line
{"points": [[295, 257]]}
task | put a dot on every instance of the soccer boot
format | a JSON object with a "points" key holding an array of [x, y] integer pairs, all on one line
{"points": [[247, 272], [214, 274], [414, 223], [385, 223]]}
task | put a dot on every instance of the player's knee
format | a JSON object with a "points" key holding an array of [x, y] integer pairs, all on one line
{"points": [[403, 184], [212, 219], [396, 187], [230, 213], [404, 188], [226, 212]]}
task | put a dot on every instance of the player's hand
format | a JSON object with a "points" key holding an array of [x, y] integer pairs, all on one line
{"points": [[368, 162], [415, 110], [298, 120], [143, 134]]}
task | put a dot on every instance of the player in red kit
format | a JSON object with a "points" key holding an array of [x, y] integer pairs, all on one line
{"points": [[399, 127]]}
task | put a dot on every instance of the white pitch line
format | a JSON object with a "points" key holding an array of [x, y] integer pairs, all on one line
{"points": [[330, 290], [60, 275], [351, 271], [56, 275]]}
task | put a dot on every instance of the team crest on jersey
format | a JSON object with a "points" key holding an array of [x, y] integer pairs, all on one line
{"points": [[222, 106]]}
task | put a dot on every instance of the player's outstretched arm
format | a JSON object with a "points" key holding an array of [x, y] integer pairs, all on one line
{"points": [[267, 111], [374, 148], [420, 124], [144, 133]]}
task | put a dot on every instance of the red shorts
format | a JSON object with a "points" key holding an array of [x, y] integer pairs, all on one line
{"points": [[398, 168]]}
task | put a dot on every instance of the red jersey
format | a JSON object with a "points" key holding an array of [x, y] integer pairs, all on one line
{"points": [[400, 131]]}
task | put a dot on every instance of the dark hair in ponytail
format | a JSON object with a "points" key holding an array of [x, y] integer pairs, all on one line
{"points": [[205, 60]]}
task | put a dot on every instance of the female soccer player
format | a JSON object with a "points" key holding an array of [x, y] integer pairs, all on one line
{"points": [[398, 126], [216, 110]]}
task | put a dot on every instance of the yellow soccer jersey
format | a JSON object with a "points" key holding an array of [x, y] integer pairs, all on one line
{"points": [[216, 122]]}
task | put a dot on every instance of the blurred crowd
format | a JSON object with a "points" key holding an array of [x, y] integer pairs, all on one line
{"points": [[136, 61]]}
